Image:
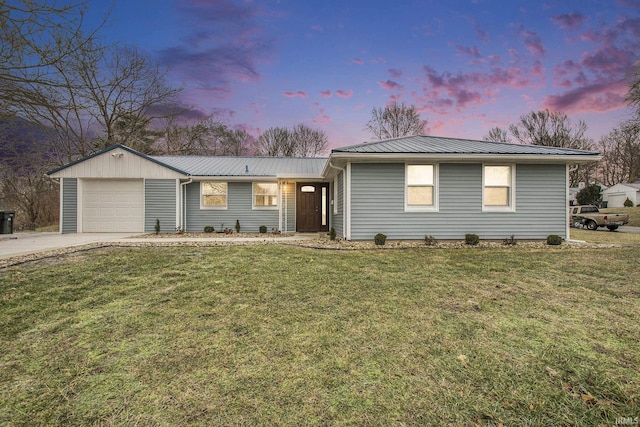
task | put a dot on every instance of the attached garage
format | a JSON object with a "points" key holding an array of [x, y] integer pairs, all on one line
{"points": [[112, 205], [118, 190]]}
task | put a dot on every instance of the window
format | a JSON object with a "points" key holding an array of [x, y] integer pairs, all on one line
{"points": [[421, 187], [265, 195], [498, 188], [214, 195]]}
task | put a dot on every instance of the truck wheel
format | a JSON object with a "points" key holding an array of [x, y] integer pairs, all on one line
{"points": [[612, 227], [592, 225]]}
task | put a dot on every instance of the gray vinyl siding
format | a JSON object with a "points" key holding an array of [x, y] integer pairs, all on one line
{"points": [[239, 207], [377, 204], [338, 218], [160, 203], [69, 196]]}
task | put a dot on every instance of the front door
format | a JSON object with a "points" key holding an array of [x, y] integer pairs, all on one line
{"points": [[311, 207]]}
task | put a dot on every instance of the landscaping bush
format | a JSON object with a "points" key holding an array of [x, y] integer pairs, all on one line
{"points": [[471, 239], [332, 234], [509, 241], [157, 227], [554, 240], [263, 229], [380, 239], [430, 241], [237, 225], [628, 203], [209, 229]]}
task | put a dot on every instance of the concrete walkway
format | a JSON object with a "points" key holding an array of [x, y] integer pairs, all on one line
{"points": [[18, 244]]}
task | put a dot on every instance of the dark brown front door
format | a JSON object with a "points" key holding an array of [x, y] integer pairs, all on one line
{"points": [[311, 207]]}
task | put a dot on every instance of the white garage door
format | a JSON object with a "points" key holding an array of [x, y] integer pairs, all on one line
{"points": [[115, 205], [616, 200]]}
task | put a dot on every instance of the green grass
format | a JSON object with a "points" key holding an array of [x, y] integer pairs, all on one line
{"points": [[602, 235], [272, 335], [634, 214]]}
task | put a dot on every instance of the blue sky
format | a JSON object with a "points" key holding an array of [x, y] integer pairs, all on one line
{"points": [[466, 65]]}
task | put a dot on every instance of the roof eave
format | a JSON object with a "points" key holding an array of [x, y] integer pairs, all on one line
{"points": [[463, 157]]}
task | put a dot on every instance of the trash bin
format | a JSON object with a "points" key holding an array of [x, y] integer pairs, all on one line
{"points": [[6, 222]]}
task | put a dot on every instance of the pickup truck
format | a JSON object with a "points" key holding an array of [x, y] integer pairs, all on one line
{"points": [[590, 217]]}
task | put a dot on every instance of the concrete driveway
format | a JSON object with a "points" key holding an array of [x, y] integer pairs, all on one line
{"points": [[29, 243]]}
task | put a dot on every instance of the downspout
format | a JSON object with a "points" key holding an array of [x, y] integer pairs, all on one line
{"points": [[183, 208]]}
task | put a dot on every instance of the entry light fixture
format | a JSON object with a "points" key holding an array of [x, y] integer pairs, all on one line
{"points": [[117, 154]]}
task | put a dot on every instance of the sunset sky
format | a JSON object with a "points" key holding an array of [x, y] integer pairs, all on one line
{"points": [[467, 65]]}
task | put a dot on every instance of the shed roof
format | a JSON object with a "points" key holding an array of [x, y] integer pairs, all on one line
{"points": [[425, 144], [246, 166]]}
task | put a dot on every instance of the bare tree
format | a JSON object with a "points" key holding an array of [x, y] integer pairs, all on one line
{"points": [[275, 142], [633, 96], [36, 37], [301, 141], [497, 134], [308, 142], [104, 95], [620, 150], [23, 185], [553, 129], [207, 137], [394, 121]]}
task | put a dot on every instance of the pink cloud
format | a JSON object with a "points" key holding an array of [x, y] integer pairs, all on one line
{"points": [[472, 51], [395, 73], [390, 85], [597, 97], [568, 21], [325, 94], [534, 44], [344, 94], [297, 94], [318, 28], [357, 61]]}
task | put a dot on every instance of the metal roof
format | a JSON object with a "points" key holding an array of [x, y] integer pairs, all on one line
{"points": [[245, 166], [424, 144]]}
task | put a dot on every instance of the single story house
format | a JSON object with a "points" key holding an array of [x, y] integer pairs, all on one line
{"points": [[405, 187], [616, 195]]}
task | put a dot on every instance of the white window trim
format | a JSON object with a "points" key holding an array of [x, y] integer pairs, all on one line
{"points": [[436, 189], [253, 197], [215, 208], [512, 190]]}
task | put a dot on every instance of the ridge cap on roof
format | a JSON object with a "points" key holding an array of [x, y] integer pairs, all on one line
{"points": [[501, 143]]}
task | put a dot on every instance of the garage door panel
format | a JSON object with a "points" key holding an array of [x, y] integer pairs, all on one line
{"points": [[113, 205]]}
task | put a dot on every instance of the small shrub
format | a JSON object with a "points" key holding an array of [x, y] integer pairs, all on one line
{"points": [[237, 225], [332, 234], [209, 229], [430, 241], [157, 227], [380, 239], [554, 240], [509, 241], [263, 229], [471, 239], [628, 203]]}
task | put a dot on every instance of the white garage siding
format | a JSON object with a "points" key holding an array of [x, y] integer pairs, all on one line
{"points": [[616, 200], [112, 205]]}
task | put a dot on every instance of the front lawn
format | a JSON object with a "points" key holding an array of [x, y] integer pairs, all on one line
{"points": [[273, 335]]}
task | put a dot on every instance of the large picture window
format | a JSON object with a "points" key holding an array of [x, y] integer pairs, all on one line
{"points": [[214, 195], [498, 187], [421, 189], [265, 195]]}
